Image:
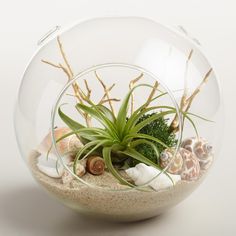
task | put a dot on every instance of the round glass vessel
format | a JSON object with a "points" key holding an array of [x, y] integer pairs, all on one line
{"points": [[119, 117]]}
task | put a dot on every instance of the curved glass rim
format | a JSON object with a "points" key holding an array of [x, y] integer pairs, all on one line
{"points": [[101, 66]]}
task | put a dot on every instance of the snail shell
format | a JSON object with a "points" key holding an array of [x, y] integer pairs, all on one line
{"points": [[191, 167], [69, 144], [67, 177], [185, 164], [95, 165], [201, 148], [175, 166]]}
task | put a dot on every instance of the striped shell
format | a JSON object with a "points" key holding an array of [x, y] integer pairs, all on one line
{"points": [[201, 148], [69, 144], [185, 163]]}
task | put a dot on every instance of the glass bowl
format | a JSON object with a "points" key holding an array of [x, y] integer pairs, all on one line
{"points": [[119, 117]]}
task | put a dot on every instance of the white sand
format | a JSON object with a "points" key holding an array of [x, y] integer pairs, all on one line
{"points": [[126, 205]]}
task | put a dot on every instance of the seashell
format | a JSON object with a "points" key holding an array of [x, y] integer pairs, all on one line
{"points": [[191, 168], [201, 148], [69, 144], [50, 166], [47, 165], [185, 164], [80, 168], [175, 166], [51, 172], [142, 173], [95, 165], [67, 177]]}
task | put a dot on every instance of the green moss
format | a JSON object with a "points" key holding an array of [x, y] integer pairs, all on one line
{"points": [[159, 129]]}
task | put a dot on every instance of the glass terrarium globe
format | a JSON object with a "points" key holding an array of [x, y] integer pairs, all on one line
{"points": [[119, 117]]}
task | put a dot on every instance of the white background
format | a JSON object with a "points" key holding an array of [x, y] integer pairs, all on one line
{"points": [[25, 209]]}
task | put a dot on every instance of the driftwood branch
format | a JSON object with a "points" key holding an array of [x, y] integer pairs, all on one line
{"points": [[106, 93], [197, 90], [175, 123], [186, 101], [154, 89], [108, 100], [64, 57], [104, 96], [88, 89], [79, 94]]}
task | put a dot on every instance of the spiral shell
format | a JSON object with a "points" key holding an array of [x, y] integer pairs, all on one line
{"points": [[191, 167], [67, 177], [185, 163], [175, 166], [95, 165], [201, 148], [66, 145]]}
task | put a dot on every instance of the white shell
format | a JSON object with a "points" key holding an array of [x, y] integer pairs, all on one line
{"points": [[201, 148], [50, 166], [47, 165], [69, 144], [51, 172], [142, 173], [67, 177]]}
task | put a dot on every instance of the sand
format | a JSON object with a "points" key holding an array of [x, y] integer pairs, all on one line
{"points": [[123, 205]]}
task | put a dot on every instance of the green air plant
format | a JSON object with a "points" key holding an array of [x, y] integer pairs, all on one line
{"points": [[118, 137], [122, 138]]}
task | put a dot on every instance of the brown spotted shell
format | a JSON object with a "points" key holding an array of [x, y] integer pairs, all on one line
{"points": [[185, 164], [201, 148], [191, 167], [175, 166]]}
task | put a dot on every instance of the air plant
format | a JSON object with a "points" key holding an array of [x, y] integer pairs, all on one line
{"points": [[118, 137]]}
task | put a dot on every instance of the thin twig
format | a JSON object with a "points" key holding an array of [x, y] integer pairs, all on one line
{"points": [[104, 96], [131, 85], [88, 89], [106, 91], [197, 90], [189, 100], [102, 102], [111, 99], [59, 66], [64, 56], [154, 89], [79, 94], [175, 123], [51, 64]]}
